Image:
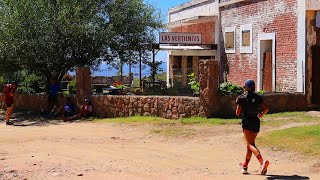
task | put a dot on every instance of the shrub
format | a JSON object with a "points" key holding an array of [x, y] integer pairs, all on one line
{"points": [[194, 84], [230, 89], [72, 87]]}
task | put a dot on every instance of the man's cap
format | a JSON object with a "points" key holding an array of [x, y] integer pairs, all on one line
{"points": [[249, 84]]}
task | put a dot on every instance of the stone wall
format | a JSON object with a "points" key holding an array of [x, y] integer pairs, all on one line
{"points": [[272, 16], [166, 107], [277, 102], [124, 106]]}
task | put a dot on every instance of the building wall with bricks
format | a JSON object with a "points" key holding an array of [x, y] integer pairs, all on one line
{"points": [[205, 28], [272, 16]]}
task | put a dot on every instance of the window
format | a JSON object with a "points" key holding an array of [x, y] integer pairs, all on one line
{"points": [[229, 38], [246, 38]]}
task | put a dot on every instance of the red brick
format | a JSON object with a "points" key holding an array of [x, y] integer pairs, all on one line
{"points": [[205, 28], [279, 16]]}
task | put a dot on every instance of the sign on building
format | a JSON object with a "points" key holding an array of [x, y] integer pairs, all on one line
{"points": [[180, 38]]}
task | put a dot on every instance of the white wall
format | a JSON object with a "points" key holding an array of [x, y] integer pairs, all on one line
{"points": [[313, 4], [176, 15]]}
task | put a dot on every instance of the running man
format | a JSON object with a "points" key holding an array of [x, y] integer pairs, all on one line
{"points": [[9, 91], [251, 107]]}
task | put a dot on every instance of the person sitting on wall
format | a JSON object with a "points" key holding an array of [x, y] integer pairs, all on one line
{"points": [[85, 111], [67, 110]]}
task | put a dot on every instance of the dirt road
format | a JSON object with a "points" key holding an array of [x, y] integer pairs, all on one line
{"points": [[122, 151]]}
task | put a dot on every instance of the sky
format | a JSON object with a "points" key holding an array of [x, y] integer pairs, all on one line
{"points": [[161, 6]]}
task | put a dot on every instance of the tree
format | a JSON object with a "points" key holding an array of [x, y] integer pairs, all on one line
{"points": [[133, 25], [51, 37]]}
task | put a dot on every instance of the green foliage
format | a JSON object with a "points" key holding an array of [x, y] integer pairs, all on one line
{"points": [[260, 92], [72, 87], [230, 89], [50, 38], [29, 83], [195, 85]]}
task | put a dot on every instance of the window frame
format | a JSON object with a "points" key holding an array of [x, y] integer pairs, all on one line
{"points": [[246, 49], [229, 30]]}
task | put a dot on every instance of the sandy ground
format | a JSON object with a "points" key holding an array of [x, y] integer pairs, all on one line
{"points": [[123, 151]]}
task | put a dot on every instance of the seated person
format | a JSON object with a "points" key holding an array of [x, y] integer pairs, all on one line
{"points": [[67, 110], [85, 111]]}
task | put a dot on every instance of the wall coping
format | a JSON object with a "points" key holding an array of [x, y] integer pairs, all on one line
{"points": [[230, 2]]}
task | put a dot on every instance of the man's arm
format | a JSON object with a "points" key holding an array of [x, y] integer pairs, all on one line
{"points": [[265, 109]]}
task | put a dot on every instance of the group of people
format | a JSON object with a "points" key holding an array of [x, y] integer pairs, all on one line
{"points": [[67, 111]]}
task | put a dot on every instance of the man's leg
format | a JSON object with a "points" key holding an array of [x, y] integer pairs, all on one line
{"points": [[8, 114], [251, 138]]}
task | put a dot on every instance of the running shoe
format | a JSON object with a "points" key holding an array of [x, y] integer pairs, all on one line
{"points": [[243, 169], [9, 123], [264, 167]]}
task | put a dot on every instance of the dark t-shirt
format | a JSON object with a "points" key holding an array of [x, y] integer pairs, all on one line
{"points": [[251, 104], [54, 88], [251, 107], [8, 89]]}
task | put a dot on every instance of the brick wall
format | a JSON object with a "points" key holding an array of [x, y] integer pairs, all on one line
{"points": [[279, 16], [205, 28]]}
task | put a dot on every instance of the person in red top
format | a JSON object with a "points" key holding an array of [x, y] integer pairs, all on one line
{"points": [[9, 91]]}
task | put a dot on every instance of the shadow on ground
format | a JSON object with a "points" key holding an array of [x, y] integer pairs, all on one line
{"points": [[278, 177], [31, 119]]}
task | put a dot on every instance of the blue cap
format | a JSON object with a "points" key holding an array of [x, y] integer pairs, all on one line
{"points": [[249, 84]]}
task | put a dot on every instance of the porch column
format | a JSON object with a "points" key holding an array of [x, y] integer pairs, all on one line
{"points": [[209, 84], [83, 78], [184, 71], [195, 64]]}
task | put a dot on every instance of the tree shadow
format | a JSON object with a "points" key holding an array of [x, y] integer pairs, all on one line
{"points": [[24, 119], [278, 177]]}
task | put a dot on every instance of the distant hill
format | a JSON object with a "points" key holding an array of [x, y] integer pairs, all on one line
{"points": [[106, 70]]}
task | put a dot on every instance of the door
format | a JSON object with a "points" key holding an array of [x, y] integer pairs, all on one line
{"points": [[267, 72], [316, 75]]}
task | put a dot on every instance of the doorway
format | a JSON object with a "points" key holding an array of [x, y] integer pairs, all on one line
{"points": [[266, 63], [315, 75]]}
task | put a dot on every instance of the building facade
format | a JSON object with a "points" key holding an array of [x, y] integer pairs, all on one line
{"points": [[196, 16], [274, 42]]}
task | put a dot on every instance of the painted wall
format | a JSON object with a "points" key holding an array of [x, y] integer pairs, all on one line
{"points": [[313, 4], [193, 9], [279, 16]]}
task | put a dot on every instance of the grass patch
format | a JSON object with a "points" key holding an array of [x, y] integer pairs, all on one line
{"points": [[162, 121], [274, 120], [280, 119], [174, 132], [137, 119], [209, 121], [304, 140]]}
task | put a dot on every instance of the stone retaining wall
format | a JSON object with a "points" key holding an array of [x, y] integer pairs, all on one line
{"points": [[165, 107], [124, 106]]}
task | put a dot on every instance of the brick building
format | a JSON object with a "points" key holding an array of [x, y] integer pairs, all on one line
{"points": [[196, 16], [274, 42]]}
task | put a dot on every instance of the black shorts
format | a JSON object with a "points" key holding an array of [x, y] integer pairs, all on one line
{"points": [[251, 124]]}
